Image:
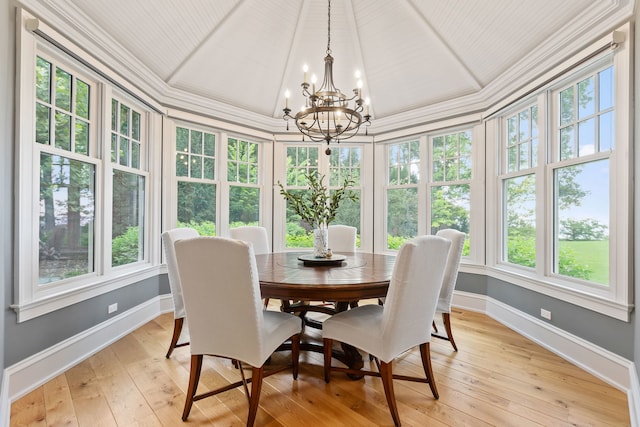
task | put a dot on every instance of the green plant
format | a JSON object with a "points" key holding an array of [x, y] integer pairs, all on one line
{"points": [[125, 248], [318, 206]]}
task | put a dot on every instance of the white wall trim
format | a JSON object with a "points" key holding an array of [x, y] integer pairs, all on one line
{"points": [[5, 402], [32, 372], [633, 396], [26, 375]]}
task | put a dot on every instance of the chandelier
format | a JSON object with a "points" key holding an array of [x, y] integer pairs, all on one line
{"points": [[327, 115]]}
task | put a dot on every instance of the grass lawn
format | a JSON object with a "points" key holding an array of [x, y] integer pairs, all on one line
{"points": [[595, 254]]}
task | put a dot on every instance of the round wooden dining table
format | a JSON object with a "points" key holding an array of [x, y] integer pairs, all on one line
{"points": [[360, 275]]}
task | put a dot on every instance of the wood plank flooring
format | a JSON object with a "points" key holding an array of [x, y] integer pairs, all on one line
{"points": [[498, 378]]}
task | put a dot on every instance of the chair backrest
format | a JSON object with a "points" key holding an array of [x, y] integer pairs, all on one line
{"points": [[453, 264], [169, 238], [222, 298], [413, 293], [342, 238], [254, 234]]}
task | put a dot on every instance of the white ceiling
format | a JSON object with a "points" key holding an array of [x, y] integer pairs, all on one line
{"points": [[412, 53]]}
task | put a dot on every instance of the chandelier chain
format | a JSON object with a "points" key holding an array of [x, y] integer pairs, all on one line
{"points": [[329, 29]]}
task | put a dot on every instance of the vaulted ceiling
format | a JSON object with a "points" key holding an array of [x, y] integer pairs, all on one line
{"points": [[413, 54]]}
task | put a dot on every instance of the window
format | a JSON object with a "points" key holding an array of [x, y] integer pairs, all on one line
{"points": [[243, 176], [64, 120], [519, 187], [584, 141], [301, 161], [450, 184], [128, 200], [345, 163], [403, 172], [195, 163]]}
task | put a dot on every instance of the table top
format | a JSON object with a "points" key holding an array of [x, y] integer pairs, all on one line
{"points": [[361, 275]]}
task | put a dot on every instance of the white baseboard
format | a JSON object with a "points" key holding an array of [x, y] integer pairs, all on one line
{"points": [[28, 374], [633, 396], [5, 403], [36, 370], [609, 367]]}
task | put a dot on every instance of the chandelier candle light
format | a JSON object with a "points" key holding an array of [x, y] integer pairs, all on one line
{"points": [[327, 115]]}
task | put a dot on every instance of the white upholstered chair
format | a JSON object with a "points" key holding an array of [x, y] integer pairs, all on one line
{"points": [[256, 235], [222, 300], [402, 323], [342, 238], [180, 331], [449, 281]]}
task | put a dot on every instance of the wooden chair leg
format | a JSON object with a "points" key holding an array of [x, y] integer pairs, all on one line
{"points": [[425, 352], [266, 303], [194, 377], [327, 343], [177, 329], [435, 328], [386, 373], [446, 319], [295, 354], [256, 386]]}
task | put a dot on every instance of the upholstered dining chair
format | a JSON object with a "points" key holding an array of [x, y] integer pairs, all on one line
{"points": [[402, 323], [449, 281], [259, 239], [180, 335], [256, 235], [342, 238], [222, 300]]}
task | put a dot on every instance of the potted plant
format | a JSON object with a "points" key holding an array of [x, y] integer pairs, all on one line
{"points": [[318, 206]]}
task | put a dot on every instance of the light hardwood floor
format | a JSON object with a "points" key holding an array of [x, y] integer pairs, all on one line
{"points": [[497, 378]]}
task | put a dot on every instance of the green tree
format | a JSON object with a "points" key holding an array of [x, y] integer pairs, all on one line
{"points": [[586, 229], [445, 212]]}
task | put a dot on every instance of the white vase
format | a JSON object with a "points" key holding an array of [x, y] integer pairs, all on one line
{"points": [[320, 242]]}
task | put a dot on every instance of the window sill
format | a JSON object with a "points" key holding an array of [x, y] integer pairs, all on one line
{"points": [[103, 285]]}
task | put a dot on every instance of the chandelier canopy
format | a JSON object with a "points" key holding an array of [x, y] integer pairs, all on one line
{"points": [[327, 115]]}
